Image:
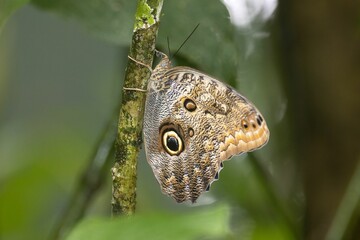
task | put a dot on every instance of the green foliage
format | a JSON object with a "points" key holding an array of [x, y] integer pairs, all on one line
{"points": [[111, 20], [48, 168], [191, 225], [8, 7], [144, 12], [58, 92]]}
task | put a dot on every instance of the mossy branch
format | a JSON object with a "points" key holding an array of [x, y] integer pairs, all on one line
{"points": [[128, 139]]}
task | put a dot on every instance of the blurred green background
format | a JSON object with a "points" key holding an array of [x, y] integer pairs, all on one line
{"points": [[61, 70]]}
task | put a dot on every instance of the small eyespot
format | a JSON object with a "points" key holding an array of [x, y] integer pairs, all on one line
{"points": [[253, 125], [258, 121], [244, 124], [189, 105], [191, 132], [172, 142]]}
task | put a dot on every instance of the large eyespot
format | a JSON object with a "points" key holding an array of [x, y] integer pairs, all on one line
{"points": [[172, 142], [189, 105]]}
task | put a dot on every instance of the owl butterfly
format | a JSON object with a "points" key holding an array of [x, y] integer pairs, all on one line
{"points": [[193, 123]]}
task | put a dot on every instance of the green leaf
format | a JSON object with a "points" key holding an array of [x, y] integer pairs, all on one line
{"points": [[111, 20], [208, 222], [8, 7], [213, 44]]}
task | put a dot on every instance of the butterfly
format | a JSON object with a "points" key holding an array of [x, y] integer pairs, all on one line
{"points": [[192, 123]]}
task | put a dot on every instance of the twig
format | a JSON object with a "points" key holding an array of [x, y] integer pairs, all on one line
{"points": [[348, 213], [271, 193], [128, 139], [91, 180]]}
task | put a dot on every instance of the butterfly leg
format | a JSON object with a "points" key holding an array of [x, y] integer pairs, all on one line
{"points": [[135, 89], [142, 64], [160, 54]]}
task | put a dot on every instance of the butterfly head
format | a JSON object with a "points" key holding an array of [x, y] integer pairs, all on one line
{"points": [[163, 66]]}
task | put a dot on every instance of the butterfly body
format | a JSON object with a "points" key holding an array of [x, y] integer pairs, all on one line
{"points": [[192, 124]]}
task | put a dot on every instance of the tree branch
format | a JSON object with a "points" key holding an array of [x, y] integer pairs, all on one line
{"points": [[128, 139]]}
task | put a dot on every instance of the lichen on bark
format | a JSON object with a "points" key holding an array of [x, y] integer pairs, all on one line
{"points": [[129, 139]]}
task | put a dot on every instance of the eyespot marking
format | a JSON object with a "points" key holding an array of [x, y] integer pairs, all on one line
{"points": [[244, 124], [172, 142], [258, 121], [191, 132], [261, 119], [189, 105]]}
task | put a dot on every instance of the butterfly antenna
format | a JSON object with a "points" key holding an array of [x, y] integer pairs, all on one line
{"points": [[185, 40], [168, 45]]}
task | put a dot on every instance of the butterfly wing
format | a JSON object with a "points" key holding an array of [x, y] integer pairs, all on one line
{"points": [[192, 123]]}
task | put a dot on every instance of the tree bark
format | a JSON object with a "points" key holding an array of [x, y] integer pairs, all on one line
{"points": [[128, 139]]}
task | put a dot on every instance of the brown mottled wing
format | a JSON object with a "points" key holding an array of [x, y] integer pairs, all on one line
{"points": [[223, 124]]}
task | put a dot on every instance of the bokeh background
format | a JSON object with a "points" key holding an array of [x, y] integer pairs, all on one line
{"points": [[61, 70]]}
